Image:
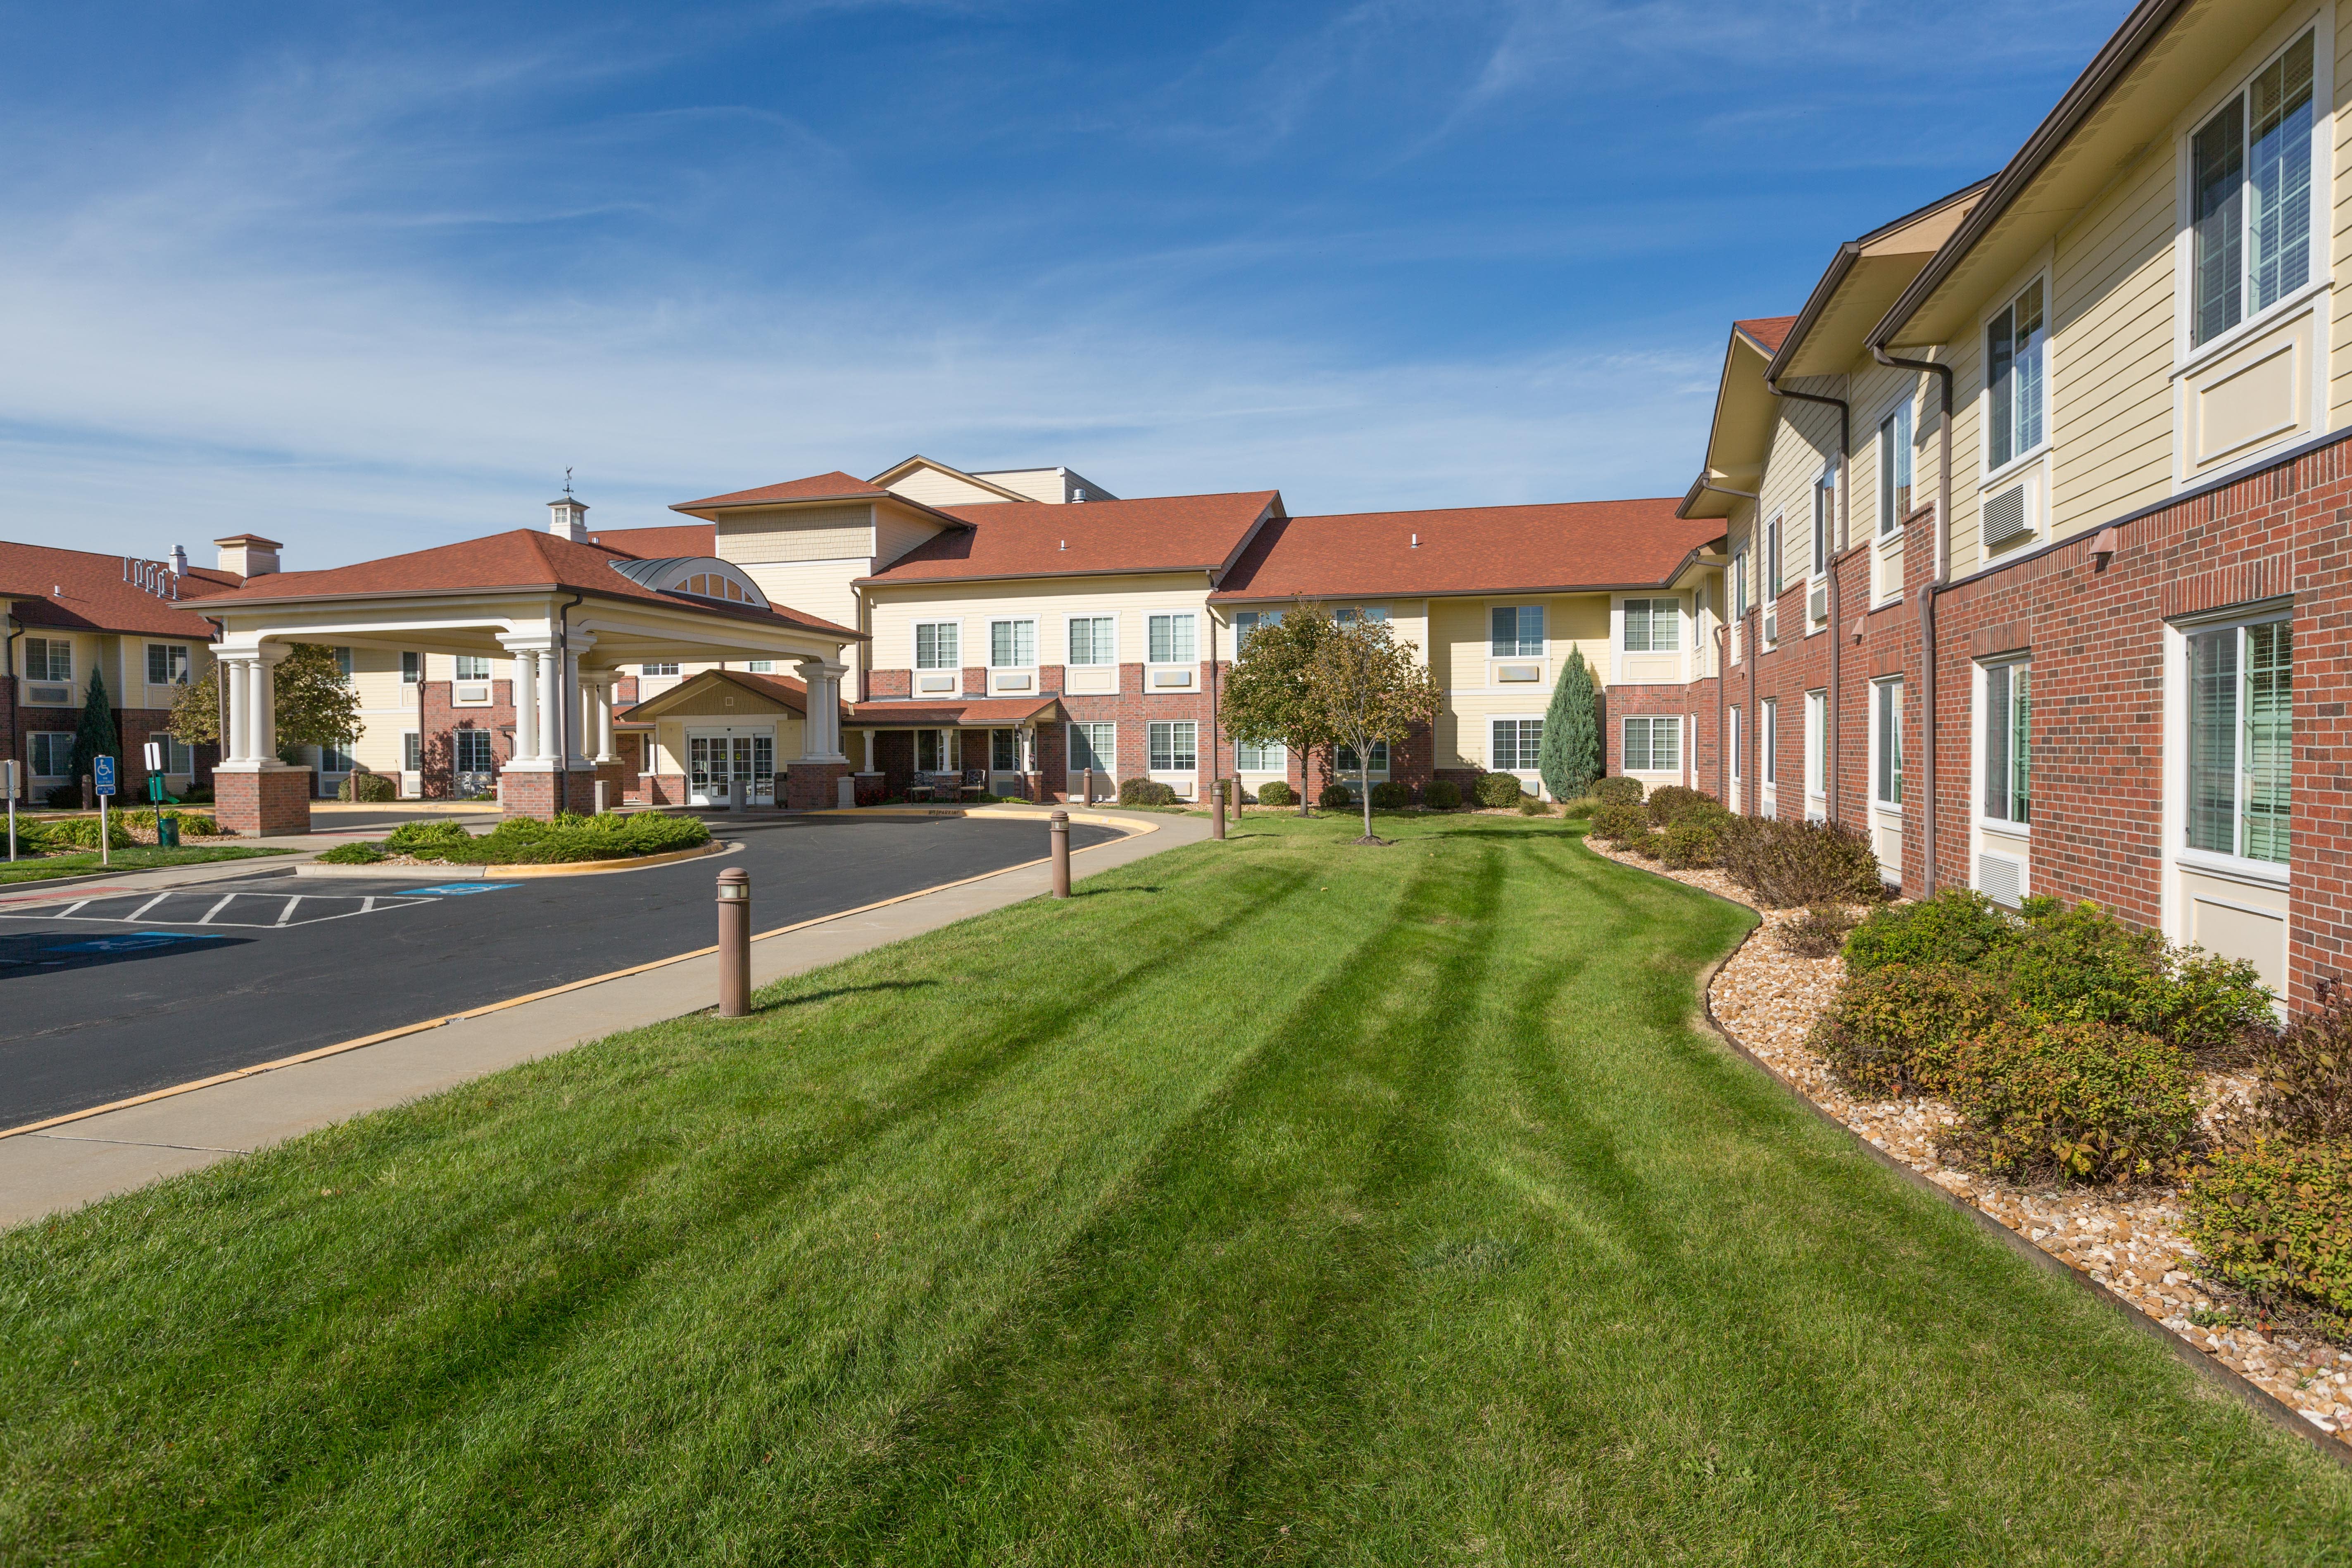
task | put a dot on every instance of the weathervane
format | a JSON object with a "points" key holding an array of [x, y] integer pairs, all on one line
{"points": [[567, 482]]}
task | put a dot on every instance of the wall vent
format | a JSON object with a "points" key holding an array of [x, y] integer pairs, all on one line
{"points": [[2000, 878], [49, 696], [1817, 603], [2004, 516]]}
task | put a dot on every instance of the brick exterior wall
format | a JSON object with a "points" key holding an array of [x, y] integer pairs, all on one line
{"points": [[133, 727], [442, 720], [271, 802]]}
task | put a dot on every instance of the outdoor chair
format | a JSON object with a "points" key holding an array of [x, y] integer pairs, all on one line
{"points": [[975, 782]]}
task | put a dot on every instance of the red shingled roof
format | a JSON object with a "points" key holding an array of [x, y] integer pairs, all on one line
{"points": [[1770, 331], [1468, 549], [834, 486], [1158, 533], [660, 543], [998, 710], [95, 597], [522, 558]]}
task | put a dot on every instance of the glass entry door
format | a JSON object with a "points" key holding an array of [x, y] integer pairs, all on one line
{"points": [[725, 766]]}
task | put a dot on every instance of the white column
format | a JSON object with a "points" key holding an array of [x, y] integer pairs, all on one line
{"points": [[550, 704], [821, 735], [603, 694], [526, 704], [237, 744], [576, 738], [265, 711]]}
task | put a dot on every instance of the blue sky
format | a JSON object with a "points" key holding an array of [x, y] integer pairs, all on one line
{"points": [[368, 280]]}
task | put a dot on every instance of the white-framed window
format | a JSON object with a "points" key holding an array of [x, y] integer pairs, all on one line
{"points": [[1345, 760], [2250, 181], [2017, 345], [1654, 626], [1774, 580], [477, 666], [1731, 740], [1824, 521], [1652, 743], [1013, 645], [935, 751], [1248, 621], [2240, 730], [334, 759], [1172, 746], [938, 645], [1008, 751], [2005, 737], [1740, 582], [1514, 746], [412, 752], [758, 667], [179, 757], [1817, 737], [48, 658], [1518, 631], [343, 668], [1886, 742], [472, 751], [1094, 639], [1170, 638], [412, 671], [1771, 739], [1095, 745], [52, 755], [167, 664], [1273, 757], [1895, 469], [1346, 612]]}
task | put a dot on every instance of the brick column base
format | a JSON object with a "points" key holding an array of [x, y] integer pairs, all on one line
{"points": [[266, 803], [616, 777], [813, 786]]}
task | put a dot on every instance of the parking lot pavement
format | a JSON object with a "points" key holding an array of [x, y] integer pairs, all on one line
{"points": [[118, 993]]}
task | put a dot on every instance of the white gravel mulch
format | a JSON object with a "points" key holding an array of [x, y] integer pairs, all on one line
{"points": [[2130, 1240]]}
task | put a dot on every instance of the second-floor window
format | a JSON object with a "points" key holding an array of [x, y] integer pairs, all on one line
{"points": [[1011, 644], [167, 664], [343, 668], [48, 658], [936, 644], [2016, 341], [1824, 521], [1094, 639], [1518, 631], [1248, 621], [2249, 184], [1740, 582], [477, 666], [1652, 625], [1895, 469], [412, 671], [1171, 639], [1772, 559]]}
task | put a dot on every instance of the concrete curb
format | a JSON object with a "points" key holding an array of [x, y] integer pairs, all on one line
{"points": [[2261, 1400], [467, 870]]}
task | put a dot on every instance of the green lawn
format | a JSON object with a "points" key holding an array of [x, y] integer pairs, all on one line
{"points": [[139, 857], [1273, 1201]]}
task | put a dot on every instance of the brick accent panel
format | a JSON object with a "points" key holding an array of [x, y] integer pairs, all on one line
{"points": [[270, 803], [882, 685], [813, 786]]}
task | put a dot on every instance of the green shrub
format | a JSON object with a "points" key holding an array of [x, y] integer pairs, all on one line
{"points": [[193, 824], [1619, 823], [2304, 1078], [367, 786], [1819, 933], [1273, 791], [1335, 797], [352, 855], [2076, 1099], [423, 838], [1619, 791], [1788, 863], [1441, 794], [1391, 795], [1649, 843], [1694, 839], [1668, 802], [1146, 792], [2275, 1218], [1958, 925], [1893, 1031], [1499, 789], [524, 840], [81, 833], [1578, 810], [2084, 964]]}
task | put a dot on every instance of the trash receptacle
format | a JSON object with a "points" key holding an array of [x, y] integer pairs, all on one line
{"points": [[167, 832]]}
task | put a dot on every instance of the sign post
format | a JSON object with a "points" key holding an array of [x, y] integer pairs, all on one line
{"points": [[8, 783], [102, 771]]}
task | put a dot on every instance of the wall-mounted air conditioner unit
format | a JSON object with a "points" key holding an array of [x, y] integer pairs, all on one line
{"points": [[2008, 514], [1817, 603], [49, 696]]}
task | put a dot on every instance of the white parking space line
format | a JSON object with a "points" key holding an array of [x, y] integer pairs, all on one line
{"points": [[146, 906], [227, 900], [248, 910], [288, 912]]}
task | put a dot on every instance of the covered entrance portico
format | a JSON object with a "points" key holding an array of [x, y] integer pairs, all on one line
{"points": [[722, 739], [567, 615]]}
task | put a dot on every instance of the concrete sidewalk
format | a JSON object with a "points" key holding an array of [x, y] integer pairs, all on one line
{"points": [[75, 1163]]}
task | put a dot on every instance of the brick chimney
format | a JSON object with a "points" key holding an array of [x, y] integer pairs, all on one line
{"points": [[248, 555], [567, 517]]}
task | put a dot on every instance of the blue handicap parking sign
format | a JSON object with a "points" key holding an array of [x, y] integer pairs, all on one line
{"points": [[102, 772]]}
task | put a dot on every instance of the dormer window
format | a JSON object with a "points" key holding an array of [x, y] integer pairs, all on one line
{"points": [[703, 576], [711, 585]]}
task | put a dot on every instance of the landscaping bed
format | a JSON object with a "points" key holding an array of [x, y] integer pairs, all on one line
{"points": [[52, 847], [2131, 1238]]}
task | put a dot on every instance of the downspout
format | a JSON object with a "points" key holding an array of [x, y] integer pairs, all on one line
{"points": [[1938, 568], [1845, 448], [1749, 631]]}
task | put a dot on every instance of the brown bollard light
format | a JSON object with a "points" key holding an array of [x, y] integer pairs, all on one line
{"points": [[1217, 811], [734, 942], [1059, 824], [1090, 787]]}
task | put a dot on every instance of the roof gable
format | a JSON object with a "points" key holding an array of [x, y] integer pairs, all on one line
{"points": [[834, 486], [1160, 533], [929, 482]]}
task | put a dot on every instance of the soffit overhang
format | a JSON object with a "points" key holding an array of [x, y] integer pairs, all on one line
{"points": [[1865, 277], [1741, 432]]}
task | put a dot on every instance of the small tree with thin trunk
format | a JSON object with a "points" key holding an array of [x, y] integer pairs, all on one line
{"points": [[314, 705], [1367, 688], [1570, 757], [1265, 694], [196, 712], [95, 736]]}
